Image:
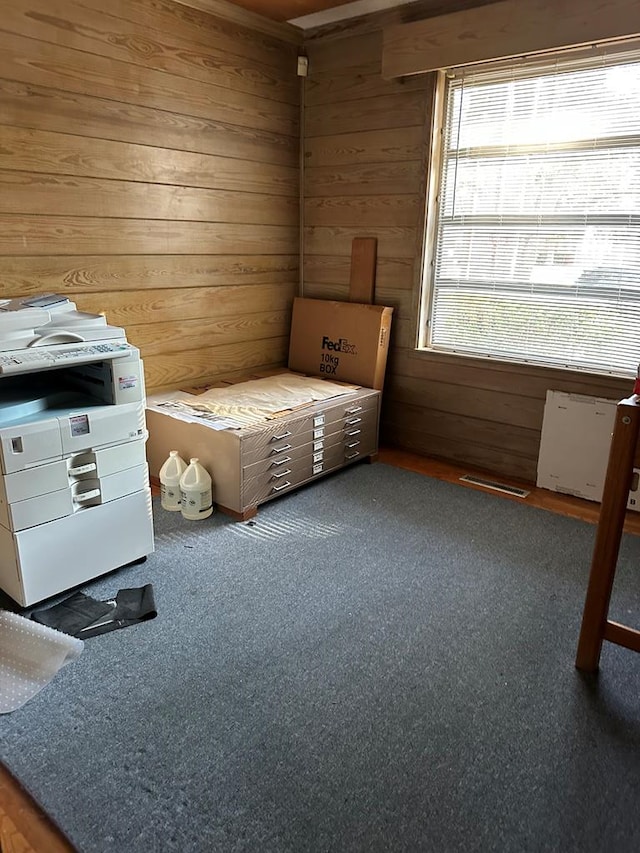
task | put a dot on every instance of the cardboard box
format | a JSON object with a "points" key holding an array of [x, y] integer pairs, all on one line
{"points": [[574, 446], [346, 341]]}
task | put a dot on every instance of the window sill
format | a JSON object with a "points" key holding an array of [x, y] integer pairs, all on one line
{"points": [[531, 368]]}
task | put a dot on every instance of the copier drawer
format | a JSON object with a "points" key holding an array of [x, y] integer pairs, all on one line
{"points": [[49, 558], [103, 425], [27, 444], [107, 460], [54, 476], [80, 496], [39, 509], [24, 445]]}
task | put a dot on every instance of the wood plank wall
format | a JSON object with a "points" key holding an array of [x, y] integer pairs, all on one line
{"points": [[366, 152], [149, 168]]}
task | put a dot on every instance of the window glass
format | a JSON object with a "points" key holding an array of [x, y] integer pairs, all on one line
{"points": [[537, 240]]}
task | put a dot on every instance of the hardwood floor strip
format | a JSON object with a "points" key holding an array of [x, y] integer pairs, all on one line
{"points": [[24, 828]]}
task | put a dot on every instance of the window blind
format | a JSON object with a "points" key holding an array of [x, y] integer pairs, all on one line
{"points": [[537, 254]]}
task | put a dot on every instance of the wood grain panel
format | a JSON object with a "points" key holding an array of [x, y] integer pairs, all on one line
{"points": [[230, 29], [505, 29], [372, 146], [55, 195], [503, 377], [150, 307], [41, 108], [198, 334], [66, 154], [405, 109], [361, 81], [468, 430], [70, 274], [403, 332], [364, 211], [335, 56], [32, 61], [392, 242], [63, 23], [503, 408], [401, 301], [397, 273], [490, 459], [371, 179], [149, 169], [36, 235], [175, 369]]}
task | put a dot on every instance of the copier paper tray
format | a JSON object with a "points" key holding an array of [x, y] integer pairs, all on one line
{"points": [[17, 409]]}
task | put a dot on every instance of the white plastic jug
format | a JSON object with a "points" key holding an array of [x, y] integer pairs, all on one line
{"points": [[196, 491], [170, 474]]}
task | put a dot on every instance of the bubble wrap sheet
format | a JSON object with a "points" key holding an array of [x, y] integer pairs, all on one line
{"points": [[30, 656]]}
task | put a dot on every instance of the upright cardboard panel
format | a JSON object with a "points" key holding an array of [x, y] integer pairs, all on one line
{"points": [[362, 281], [346, 341], [574, 446]]}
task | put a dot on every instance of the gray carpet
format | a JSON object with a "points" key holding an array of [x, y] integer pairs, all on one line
{"points": [[381, 662]]}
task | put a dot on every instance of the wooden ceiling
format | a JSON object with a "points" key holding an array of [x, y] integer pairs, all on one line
{"points": [[285, 10]]}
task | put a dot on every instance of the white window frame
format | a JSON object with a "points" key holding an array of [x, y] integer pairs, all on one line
{"points": [[432, 209]]}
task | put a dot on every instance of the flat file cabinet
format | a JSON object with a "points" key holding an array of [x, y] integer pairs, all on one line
{"points": [[258, 463]]}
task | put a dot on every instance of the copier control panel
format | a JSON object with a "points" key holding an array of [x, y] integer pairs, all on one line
{"points": [[39, 358]]}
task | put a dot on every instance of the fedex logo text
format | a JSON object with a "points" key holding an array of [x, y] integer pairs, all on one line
{"points": [[341, 345]]}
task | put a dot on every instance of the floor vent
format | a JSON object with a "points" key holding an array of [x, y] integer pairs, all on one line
{"points": [[498, 487]]}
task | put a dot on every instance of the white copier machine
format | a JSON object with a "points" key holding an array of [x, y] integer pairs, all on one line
{"points": [[74, 487]]}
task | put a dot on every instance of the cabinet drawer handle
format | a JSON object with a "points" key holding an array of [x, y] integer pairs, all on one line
{"points": [[82, 469], [353, 421], [281, 474], [353, 410], [280, 437], [353, 432], [281, 449], [280, 488], [281, 461], [353, 444], [351, 455], [86, 496]]}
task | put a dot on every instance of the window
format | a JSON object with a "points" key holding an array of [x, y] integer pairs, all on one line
{"points": [[535, 253]]}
